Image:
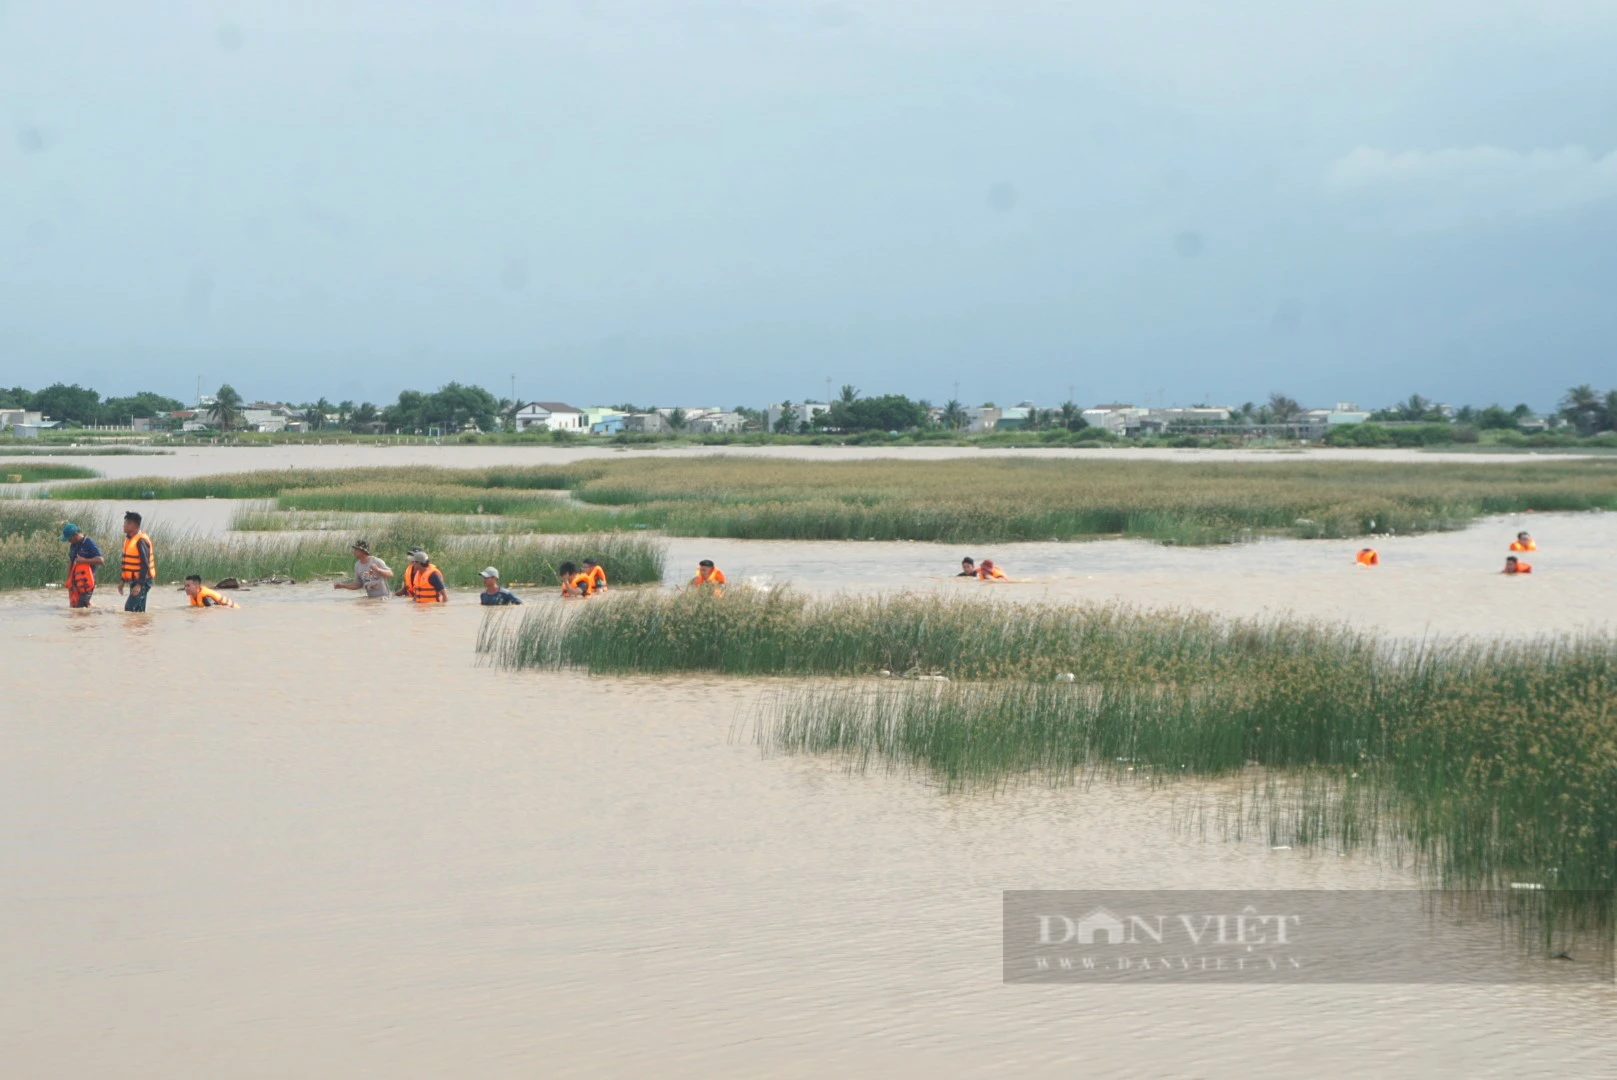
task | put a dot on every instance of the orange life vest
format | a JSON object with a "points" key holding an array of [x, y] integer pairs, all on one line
{"points": [[985, 573], [80, 580], [577, 585], [1521, 568], [418, 583], [205, 594], [1517, 545], [704, 576], [597, 575], [131, 561], [1368, 557]]}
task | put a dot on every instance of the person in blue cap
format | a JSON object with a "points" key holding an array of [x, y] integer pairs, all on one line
{"points": [[83, 556]]}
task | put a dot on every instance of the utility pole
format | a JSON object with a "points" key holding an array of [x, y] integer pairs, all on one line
{"points": [[956, 390], [513, 390], [828, 391]]}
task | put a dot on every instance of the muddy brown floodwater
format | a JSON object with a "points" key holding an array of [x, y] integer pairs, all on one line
{"points": [[314, 837]]}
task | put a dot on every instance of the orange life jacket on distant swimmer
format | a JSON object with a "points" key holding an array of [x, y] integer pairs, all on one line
{"points": [[1517, 545], [577, 585], [80, 579], [131, 562], [1521, 568], [704, 576], [988, 573], [207, 597], [597, 575], [418, 583], [1368, 557]]}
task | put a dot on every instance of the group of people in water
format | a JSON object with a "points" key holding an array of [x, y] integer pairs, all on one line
{"points": [[983, 571], [1514, 563], [422, 581]]}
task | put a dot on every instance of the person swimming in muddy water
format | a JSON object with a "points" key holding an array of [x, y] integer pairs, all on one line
{"points": [[1523, 542], [968, 567], [987, 571], [708, 576], [575, 584], [1513, 565], [201, 596], [597, 574]]}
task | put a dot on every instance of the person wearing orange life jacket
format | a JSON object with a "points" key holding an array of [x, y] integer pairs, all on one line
{"points": [[139, 565], [202, 596], [708, 576], [1367, 557], [1523, 542], [423, 582], [597, 574], [83, 556], [987, 571], [1514, 565], [574, 583]]}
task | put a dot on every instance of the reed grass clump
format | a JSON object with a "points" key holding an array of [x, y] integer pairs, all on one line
{"points": [[30, 473], [750, 632], [977, 500], [1494, 762]]}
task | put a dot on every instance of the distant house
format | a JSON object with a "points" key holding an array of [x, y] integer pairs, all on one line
{"points": [[651, 423], [1113, 417], [718, 423], [982, 418], [19, 418], [603, 421], [550, 416], [806, 412]]}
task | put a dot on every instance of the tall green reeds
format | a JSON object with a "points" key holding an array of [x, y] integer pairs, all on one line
{"points": [[29, 473], [748, 632], [1494, 762], [976, 500]]}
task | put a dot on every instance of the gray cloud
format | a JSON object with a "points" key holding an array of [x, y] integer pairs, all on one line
{"points": [[1455, 184]]}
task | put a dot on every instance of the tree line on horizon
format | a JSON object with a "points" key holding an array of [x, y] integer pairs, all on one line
{"points": [[456, 406]]}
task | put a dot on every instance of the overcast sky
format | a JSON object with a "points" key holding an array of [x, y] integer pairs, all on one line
{"points": [[717, 201]]}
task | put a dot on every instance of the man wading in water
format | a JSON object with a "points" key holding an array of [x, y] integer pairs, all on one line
{"points": [[139, 568], [370, 573], [82, 558]]}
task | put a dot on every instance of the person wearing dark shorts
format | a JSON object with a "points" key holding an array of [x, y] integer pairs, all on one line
{"points": [[138, 568], [83, 556]]}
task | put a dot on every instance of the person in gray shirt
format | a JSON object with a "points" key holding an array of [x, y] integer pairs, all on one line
{"points": [[370, 573]]}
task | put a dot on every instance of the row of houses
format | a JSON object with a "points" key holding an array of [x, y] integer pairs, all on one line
{"points": [[559, 416]]}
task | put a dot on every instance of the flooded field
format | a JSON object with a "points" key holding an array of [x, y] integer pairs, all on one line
{"points": [[311, 836], [203, 460], [1435, 583], [314, 836]]}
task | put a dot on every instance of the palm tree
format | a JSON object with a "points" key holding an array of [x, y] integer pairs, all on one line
{"points": [[1283, 409], [226, 410], [315, 415], [1581, 406], [954, 415], [1072, 417], [850, 394], [1415, 408], [345, 409], [363, 415], [676, 419]]}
